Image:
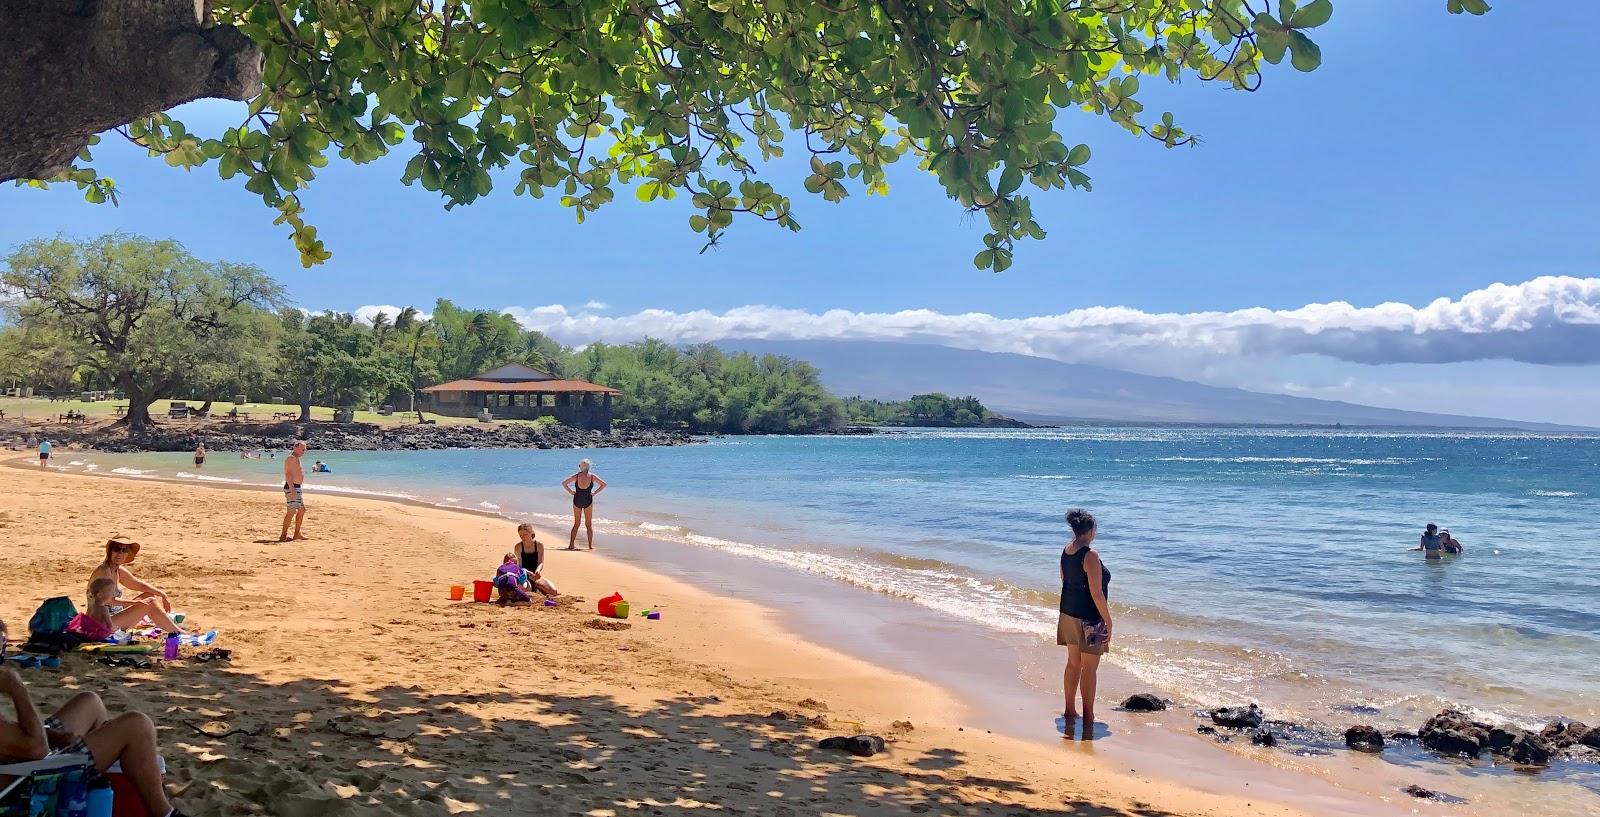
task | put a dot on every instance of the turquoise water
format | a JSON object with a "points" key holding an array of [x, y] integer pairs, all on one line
{"points": [[1267, 565]]}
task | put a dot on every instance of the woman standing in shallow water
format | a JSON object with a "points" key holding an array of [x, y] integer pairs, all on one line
{"points": [[1085, 624], [584, 487]]}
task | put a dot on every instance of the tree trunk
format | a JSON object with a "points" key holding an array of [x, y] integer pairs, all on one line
{"points": [[206, 408], [138, 420], [305, 405], [70, 69]]}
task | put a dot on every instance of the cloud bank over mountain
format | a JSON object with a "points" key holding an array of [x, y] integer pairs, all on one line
{"points": [[1548, 320]]}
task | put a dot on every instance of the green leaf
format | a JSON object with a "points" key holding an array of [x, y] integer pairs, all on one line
{"points": [[1306, 55], [983, 260], [1313, 15], [1010, 180], [1079, 155], [1272, 44]]}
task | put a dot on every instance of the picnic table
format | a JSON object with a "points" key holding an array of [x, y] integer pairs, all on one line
{"points": [[119, 410], [71, 417], [285, 415], [235, 414]]}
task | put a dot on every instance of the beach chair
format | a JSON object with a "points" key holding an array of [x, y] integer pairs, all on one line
{"points": [[14, 799], [28, 771]]}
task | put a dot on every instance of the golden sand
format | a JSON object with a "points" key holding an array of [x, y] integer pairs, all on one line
{"points": [[358, 688]]}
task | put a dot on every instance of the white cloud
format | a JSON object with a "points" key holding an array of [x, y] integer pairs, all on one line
{"points": [[596, 306], [1548, 320]]}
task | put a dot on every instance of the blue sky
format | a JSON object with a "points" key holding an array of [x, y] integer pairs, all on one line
{"points": [[1431, 156]]}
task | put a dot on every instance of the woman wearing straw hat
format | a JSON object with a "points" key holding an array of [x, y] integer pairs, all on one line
{"points": [[151, 602]]}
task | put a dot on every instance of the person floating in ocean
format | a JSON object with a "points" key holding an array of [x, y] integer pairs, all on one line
{"points": [[44, 454], [320, 467], [200, 455], [584, 487], [1451, 544], [83, 724], [530, 554], [1430, 545], [1084, 627], [294, 501], [152, 602]]}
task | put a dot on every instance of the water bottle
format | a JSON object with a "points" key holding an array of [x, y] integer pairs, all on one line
{"points": [[100, 796], [171, 650]]}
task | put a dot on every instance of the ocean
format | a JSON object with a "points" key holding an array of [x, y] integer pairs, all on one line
{"points": [[1269, 565]]}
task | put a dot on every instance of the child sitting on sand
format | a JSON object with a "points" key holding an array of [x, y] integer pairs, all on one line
{"points": [[95, 624], [508, 580]]}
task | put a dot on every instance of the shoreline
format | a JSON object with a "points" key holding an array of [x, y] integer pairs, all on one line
{"points": [[1137, 739], [738, 646]]}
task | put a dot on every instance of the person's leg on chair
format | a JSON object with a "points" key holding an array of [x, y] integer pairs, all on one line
{"points": [[131, 739]]}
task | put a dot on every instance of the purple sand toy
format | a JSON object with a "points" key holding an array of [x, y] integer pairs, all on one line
{"points": [[549, 602], [653, 616]]}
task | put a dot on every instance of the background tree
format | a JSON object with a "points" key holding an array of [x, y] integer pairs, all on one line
{"points": [[673, 97], [331, 359], [154, 318], [43, 357]]}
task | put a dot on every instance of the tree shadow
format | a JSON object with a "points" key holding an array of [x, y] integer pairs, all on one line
{"points": [[238, 744]]}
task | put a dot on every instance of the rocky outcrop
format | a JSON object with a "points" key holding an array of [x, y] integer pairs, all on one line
{"points": [[1528, 749], [225, 436], [1263, 737], [1144, 702], [1452, 732], [1364, 738], [1238, 717], [1567, 734], [858, 745]]}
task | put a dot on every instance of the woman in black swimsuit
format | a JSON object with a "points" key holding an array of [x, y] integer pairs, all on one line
{"points": [[584, 487], [530, 552]]}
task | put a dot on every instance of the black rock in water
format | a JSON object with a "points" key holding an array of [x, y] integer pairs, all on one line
{"points": [[1144, 702], [1263, 737], [1364, 738], [858, 745], [1566, 734], [1530, 750], [1420, 792], [1238, 717], [1453, 733], [1500, 740]]}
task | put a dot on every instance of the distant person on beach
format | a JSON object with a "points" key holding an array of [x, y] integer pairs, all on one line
{"points": [[320, 467], [1431, 545], [44, 454], [584, 487], [83, 724], [127, 613], [1084, 627], [530, 554], [200, 455], [294, 501], [1451, 544]]}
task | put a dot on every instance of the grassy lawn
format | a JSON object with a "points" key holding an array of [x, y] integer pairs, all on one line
{"points": [[38, 408]]}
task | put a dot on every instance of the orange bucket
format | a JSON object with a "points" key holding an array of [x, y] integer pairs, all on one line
{"points": [[457, 592], [482, 592]]}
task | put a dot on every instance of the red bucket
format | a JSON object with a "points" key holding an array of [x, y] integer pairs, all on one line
{"points": [[482, 592]]}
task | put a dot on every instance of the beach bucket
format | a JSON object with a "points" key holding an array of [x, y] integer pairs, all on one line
{"points": [[457, 592], [620, 610], [482, 591]]}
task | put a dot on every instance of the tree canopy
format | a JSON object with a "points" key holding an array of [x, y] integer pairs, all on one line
{"points": [[690, 97], [148, 315]]}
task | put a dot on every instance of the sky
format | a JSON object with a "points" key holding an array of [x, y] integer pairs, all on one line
{"points": [[1412, 225]]}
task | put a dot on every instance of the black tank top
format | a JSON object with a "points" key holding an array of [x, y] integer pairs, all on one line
{"points": [[530, 558], [1076, 601]]}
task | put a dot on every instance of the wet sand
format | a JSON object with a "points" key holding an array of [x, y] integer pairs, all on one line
{"points": [[357, 688]]}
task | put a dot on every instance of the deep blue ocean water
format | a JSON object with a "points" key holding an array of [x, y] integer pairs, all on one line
{"points": [[1262, 564]]}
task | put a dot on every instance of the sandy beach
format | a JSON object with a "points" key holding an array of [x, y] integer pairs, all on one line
{"points": [[358, 688]]}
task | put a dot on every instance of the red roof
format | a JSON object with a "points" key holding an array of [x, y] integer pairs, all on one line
{"points": [[535, 386]]}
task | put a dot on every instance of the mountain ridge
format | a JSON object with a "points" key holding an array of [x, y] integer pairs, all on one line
{"points": [[1041, 390]]}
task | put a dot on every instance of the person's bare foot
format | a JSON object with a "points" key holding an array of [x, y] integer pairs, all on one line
{"points": [[299, 537], [591, 547], [285, 539], [572, 547]]}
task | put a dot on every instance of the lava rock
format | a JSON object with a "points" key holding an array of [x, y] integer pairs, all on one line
{"points": [[1263, 737], [858, 745], [1500, 740], [1454, 733], [1206, 729], [1566, 734], [1420, 792], [1530, 750], [1364, 738], [1144, 702], [1238, 717], [1404, 736]]}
